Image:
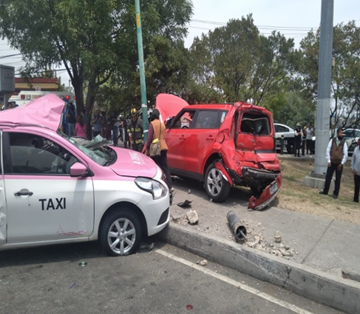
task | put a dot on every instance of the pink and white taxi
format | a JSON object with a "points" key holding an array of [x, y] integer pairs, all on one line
{"points": [[54, 190]]}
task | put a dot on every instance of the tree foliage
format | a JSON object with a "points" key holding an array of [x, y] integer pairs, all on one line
{"points": [[241, 64], [345, 87], [95, 39]]}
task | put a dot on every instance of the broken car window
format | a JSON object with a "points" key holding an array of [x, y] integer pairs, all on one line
{"points": [[255, 124]]}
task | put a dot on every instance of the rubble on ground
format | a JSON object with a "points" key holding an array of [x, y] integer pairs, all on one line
{"points": [[255, 240]]}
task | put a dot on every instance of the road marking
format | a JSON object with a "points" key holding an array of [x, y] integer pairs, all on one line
{"points": [[235, 283]]}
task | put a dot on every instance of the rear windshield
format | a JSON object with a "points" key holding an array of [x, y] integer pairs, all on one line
{"points": [[255, 124]]}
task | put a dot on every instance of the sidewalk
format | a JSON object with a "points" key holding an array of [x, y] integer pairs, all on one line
{"points": [[325, 267]]}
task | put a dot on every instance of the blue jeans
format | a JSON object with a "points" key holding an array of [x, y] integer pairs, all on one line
{"points": [[71, 129]]}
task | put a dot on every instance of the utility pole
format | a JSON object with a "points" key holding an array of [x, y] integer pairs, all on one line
{"points": [[324, 86], [141, 70]]}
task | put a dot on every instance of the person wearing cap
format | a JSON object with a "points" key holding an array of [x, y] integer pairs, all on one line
{"points": [[297, 141], [336, 155], [135, 131], [355, 168]]}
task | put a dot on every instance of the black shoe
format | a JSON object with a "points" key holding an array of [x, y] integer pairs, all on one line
{"points": [[335, 196], [322, 192], [356, 201]]}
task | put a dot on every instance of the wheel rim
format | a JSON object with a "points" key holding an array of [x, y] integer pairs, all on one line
{"points": [[214, 182], [121, 236]]}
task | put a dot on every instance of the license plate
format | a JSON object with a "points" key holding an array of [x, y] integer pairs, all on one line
{"points": [[273, 188]]}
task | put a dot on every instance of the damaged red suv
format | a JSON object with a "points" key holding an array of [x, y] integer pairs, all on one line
{"points": [[222, 145]]}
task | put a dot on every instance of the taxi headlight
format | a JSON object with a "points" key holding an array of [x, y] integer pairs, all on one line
{"points": [[155, 188]]}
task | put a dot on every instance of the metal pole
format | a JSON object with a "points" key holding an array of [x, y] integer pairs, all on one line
{"points": [[141, 70], [324, 86]]}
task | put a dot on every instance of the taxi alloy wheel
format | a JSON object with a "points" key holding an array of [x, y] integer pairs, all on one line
{"points": [[120, 233], [216, 186]]}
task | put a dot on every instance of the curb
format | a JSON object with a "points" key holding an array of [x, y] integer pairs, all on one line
{"points": [[321, 287]]}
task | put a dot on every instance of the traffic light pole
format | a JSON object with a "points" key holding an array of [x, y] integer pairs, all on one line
{"points": [[141, 70]]}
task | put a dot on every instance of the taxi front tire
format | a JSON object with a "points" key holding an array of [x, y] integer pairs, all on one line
{"points": [[120, 233]]}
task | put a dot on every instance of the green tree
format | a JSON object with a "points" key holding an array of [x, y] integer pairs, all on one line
{"points": [[240, 64], [95, 40], [345, 87]]}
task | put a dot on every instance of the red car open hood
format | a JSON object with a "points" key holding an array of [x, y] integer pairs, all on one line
{"points": [[169, 105]]}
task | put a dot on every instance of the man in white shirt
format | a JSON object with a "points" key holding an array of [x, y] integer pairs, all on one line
{"points": [[355, 168], [309, 141], [336, 155]]}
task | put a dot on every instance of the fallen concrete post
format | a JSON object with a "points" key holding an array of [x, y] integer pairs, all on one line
{"points": [[236, 227]]}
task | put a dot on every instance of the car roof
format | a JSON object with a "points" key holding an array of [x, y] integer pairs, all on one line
{"points": [[45, 111], [170, 105], [275, 123]]}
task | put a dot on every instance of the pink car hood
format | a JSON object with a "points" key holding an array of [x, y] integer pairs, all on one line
{"points": [[169, 105], [129, 164], [44, 111]]}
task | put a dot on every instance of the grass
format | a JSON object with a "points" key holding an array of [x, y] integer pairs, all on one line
{"points": [[298, 197]]}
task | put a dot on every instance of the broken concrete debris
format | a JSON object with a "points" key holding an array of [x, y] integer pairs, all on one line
{"points": [[278, 236], [204, 262], [192, 217]]}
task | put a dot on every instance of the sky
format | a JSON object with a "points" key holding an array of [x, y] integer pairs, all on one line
{"points": [[292, 18]]}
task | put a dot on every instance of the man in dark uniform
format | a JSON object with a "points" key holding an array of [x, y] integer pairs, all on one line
{"points": [[297, 141], [135, 131]]}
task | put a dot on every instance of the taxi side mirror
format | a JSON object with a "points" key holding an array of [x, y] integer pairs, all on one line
{"points": [[78, 170]]}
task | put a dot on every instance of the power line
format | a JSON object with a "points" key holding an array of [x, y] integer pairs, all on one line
{"points": [[8, 56], [300, 28]]}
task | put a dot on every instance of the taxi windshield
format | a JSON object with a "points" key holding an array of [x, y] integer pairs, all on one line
{"points": [[99, 152]]}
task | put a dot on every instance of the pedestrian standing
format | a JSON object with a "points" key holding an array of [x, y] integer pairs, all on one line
{"points": [[104, 125], [96, 123], [114, 125], [157, 131], [336, 155], [71, 118], [303, 144], [86, 122], [355, 168], [121, 128], [297, 140], [309, 141], [135, 131], [80, 127]]}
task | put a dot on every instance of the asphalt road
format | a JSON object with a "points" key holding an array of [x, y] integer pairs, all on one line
{"points": [[79, 278]]}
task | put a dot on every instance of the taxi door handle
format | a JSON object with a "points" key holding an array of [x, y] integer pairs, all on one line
{"points": [[23, 192], [182, 137], [210, 137]]}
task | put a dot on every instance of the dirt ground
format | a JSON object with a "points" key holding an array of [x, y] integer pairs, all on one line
{"points": [[297, 197]]}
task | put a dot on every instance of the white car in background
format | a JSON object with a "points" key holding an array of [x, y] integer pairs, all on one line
{"points": [[351, 137], [286, 132]]}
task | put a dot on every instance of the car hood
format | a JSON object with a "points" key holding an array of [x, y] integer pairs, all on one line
{"points": [[169, 105], [128, 162], [45, 111]]}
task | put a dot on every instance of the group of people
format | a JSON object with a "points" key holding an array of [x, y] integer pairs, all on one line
{"points": [[73, 123], [303, 140], [131, 132]]}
